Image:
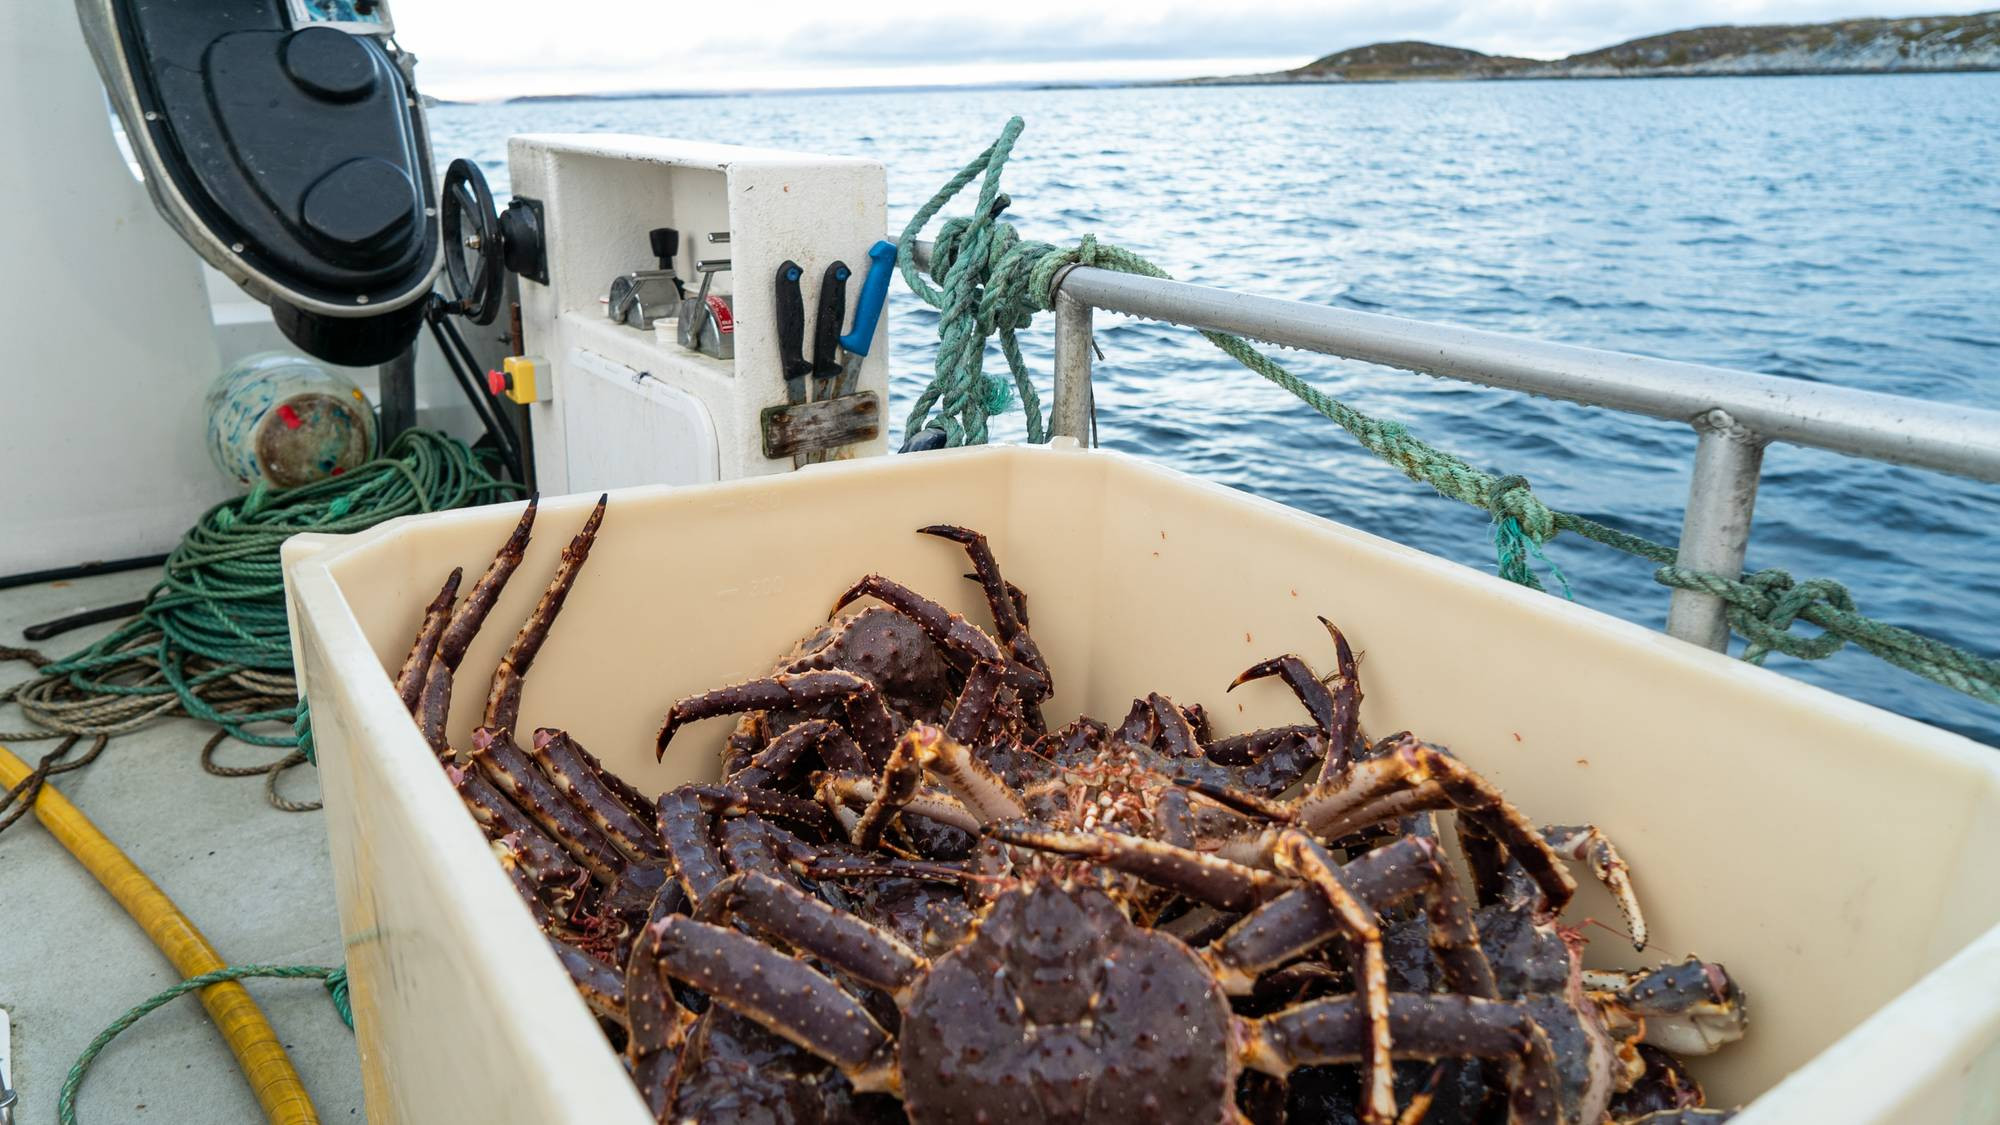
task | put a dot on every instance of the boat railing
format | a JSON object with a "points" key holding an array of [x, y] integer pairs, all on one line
{"points": [[1734, 414]]}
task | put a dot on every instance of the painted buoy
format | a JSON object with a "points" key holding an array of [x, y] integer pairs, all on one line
{"points": [[286, 421]]}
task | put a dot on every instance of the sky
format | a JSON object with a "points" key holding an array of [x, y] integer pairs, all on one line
{"points": [[480, 49]]}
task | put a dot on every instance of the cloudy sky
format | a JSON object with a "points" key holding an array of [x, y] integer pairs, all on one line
{"points": [[474, 49]]}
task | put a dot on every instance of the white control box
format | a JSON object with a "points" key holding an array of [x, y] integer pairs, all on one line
{"points": [[623, 405]]}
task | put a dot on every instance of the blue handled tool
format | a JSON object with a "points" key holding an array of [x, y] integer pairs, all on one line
{"points": [[867, 313]]}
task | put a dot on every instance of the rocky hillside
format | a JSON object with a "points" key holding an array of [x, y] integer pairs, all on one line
{"points": [[1860, 46], [1920, 43], [1406, 58]]}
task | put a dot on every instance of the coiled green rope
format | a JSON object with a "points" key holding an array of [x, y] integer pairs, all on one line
{"points": [[212, 641], [336, 988], [992, 282]]}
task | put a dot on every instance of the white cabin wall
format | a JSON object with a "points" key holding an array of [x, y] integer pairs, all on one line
{"points": [[104, 317]]}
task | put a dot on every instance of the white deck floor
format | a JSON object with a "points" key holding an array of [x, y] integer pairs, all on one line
{"points": [[255, 880]]}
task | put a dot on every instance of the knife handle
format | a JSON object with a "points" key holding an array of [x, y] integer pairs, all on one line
{"points": [[826, 325], [874, 291], [791, 323]]}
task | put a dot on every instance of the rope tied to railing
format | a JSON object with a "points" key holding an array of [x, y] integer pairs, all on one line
{"points": [[991, 282]]}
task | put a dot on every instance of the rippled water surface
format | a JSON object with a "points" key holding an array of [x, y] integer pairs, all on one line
{"points": [[1841, 230]]}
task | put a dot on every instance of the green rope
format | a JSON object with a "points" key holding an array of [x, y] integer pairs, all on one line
{"points": [[212, 642], [335, 978], [991, 283]]}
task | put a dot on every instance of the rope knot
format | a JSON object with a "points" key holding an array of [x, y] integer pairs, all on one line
{"points": [[1775, 601], [1511, 497], [336, 988]]}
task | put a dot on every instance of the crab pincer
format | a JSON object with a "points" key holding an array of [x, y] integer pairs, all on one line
{"points": [[1335, 709], [1004, 600]]}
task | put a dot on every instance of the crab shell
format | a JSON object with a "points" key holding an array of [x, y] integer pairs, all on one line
{"points": [[1059, 1009], [886, 647]]}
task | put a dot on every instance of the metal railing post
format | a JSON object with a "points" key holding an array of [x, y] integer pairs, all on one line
{"points": [[1715, 533], [1070, 416]]}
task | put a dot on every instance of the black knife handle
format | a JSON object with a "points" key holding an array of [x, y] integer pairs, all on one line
{"points": [[791, 323], [826, 327]]}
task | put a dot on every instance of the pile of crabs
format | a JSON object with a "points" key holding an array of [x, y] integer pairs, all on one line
{"points": [[910, 897]]}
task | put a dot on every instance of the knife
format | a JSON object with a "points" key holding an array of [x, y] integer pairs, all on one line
{"points": [[826, 330], [791, 325], [874, 292]]}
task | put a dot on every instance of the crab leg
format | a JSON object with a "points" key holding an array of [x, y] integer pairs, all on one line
{"points": [[1199, 876], [510, 859], [777, 760], [1008, 605], [1255, 746], [1453, 936], [900, 778], [1422, 1026], [513, 773], [853, 867], [687, 833], [410, 680], [868, 718], [503, 700], [1300, 919], [1177, 819], [547, 866], [1301, 857], [843, 792], [1177, 737], [751, 843], [1412, 764], [434, 704], [640, 805], [731, 800], [863, 951], [560, 759], [965, 777], [1691, 1007], [780, 993], [904, 771], [1485, 858], [1585, 843], [1335, 710], [601, 985], [656, 1025]]}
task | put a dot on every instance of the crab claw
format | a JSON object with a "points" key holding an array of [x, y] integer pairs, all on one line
{"points": [[868, 717], [1691, 1007]]}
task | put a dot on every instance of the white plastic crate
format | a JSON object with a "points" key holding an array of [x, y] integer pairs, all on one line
{"points": [[1839, 859]]}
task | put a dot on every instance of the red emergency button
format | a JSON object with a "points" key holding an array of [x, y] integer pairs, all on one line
{"points": [[496, 382]]}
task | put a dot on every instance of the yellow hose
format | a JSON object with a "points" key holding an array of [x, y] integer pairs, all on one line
{"points": [[236, 1014]]}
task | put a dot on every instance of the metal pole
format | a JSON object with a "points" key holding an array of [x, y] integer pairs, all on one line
{"points": [[1932, 435], [1070, 416], [1716, 530], [399, 395]]}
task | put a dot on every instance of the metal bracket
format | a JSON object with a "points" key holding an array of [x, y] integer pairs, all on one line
{"points": [[814, 427]]}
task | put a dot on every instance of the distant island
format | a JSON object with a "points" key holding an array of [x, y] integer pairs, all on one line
{"points": [[1860, 46]]}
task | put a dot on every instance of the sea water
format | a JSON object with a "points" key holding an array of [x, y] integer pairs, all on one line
{"points": [[1843, 230]]}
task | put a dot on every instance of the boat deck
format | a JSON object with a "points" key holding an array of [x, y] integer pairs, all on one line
{"points": [[255, 880]]}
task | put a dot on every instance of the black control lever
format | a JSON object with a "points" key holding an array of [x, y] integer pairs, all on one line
{"points": [[666, 243]]}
